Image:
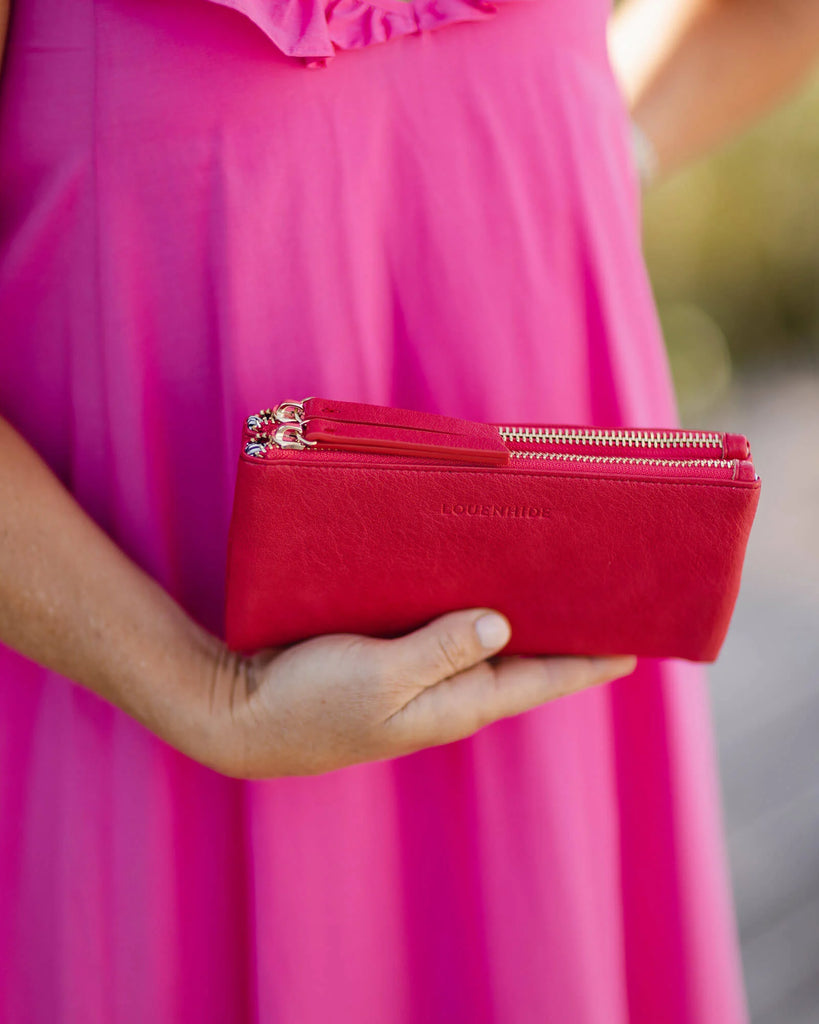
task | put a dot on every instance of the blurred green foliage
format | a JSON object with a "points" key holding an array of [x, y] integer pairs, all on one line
{"points": [[732, 248]]}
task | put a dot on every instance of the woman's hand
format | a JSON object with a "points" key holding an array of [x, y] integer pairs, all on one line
{"points": [[341, 699], [72, 601]]}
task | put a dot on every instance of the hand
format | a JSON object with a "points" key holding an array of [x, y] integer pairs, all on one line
{"points": [[72, 601], [340, 699]]}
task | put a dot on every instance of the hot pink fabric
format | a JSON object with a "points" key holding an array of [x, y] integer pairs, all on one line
{"points": [[196, 225]]}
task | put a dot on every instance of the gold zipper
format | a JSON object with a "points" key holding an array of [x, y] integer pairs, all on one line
{"points": [[627, 438], [282, 427], [621, 459]]}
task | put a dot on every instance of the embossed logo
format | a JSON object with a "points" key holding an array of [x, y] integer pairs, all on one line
{"points": [[506, 511]]}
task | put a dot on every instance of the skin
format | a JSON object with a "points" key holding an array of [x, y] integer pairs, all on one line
{"points": [[695, 73], [73, 602]]}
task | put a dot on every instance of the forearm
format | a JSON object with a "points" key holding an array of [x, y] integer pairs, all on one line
{"points": [[72, 601], [5, 12], [696, 72]]}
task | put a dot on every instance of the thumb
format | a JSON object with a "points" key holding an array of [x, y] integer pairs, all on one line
{"points": [[448, 645]]}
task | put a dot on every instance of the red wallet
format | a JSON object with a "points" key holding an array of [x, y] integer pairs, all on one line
{"points": [[358, 518]]}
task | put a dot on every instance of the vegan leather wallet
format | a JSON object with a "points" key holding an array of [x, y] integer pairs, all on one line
{"points": [[358, 518]]}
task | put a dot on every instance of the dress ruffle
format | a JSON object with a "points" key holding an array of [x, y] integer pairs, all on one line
{"points": [[313, 29]]}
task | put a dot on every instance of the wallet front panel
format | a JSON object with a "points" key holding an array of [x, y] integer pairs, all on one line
{"points": [[580, 564]]}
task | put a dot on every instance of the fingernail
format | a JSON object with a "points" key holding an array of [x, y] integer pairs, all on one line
{"points": [[493, 630]]}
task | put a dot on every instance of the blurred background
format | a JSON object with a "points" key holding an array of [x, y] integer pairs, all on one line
{"points": [[732, 246]]}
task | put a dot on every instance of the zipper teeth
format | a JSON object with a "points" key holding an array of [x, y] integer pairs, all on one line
{"points": [[635, 438], [629, 460]]}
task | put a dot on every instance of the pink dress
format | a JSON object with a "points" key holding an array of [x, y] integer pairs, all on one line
{"points": [[210, 207]]}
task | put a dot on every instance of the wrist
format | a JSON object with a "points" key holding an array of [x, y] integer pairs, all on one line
{"points": [[220, 719], [211, 686], [175, 682]]}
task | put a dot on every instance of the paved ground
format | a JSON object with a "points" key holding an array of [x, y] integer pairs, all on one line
{"points": [[765, 689]]}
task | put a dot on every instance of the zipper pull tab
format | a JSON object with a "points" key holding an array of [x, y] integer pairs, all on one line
{"points": [[385, 416], [360, 426], [380, 439]]}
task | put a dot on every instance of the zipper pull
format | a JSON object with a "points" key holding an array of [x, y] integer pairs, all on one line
{"points": [[378, 430], [380, 439], [361, 413]]}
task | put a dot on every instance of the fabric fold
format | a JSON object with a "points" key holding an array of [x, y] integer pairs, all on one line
{"points": [[313, 29]]}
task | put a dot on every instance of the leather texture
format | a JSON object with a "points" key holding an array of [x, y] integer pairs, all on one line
{"points": [[583, 558]]}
